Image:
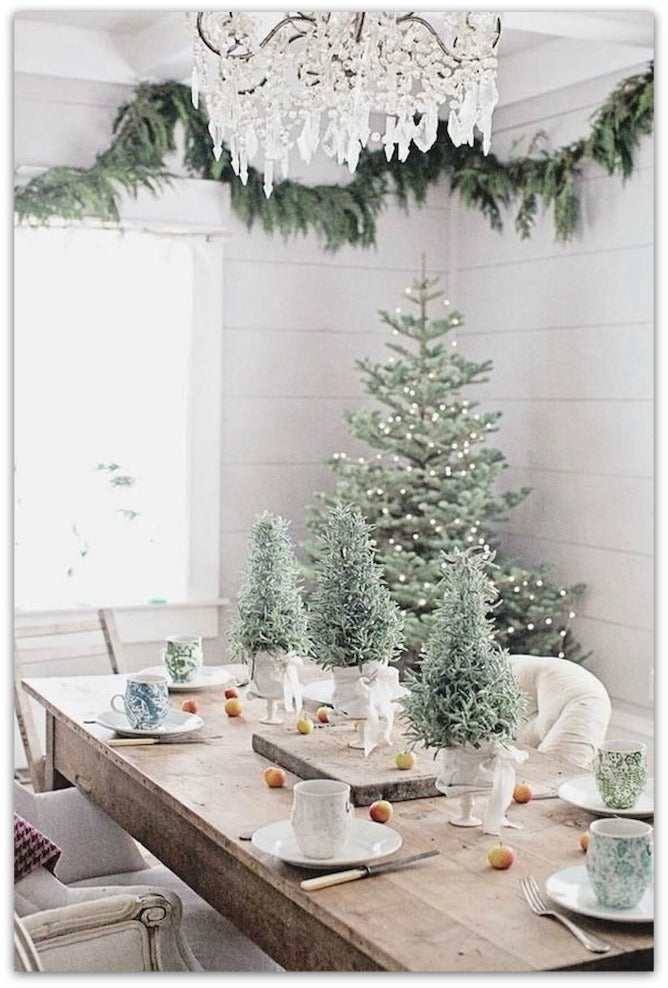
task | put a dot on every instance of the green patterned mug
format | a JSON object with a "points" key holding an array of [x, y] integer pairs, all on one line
{"points": [[620, 771], [183, 657]]}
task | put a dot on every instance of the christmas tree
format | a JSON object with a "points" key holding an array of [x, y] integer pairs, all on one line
{"points": [[271, 613], [352, 616], [430, 485], [464, 692]]}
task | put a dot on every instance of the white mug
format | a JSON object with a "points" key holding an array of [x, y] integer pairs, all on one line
{"points": [[322, 817]]}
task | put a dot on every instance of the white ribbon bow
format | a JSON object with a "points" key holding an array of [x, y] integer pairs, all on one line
{"points": [[369, 699], [292, 689]]}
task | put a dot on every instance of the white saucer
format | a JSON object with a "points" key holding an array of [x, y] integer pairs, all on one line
{"points": [[570, 888], [369, 841], [321, 692], [206, 677], [581, 791], [177, 722]]}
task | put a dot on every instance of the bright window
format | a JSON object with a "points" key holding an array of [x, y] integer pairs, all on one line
{"points": [[102, 346]]}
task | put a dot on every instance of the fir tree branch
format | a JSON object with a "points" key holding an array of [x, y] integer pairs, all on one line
{"points": [[144, 134]]}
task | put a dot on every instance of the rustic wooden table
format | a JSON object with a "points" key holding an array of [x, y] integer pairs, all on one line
{"points": [[193, 806]]}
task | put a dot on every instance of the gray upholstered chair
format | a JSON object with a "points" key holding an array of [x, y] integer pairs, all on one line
{"points": [[94, 933], [568, 708], [100, 859]]}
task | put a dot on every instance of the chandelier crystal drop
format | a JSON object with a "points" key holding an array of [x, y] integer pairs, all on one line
{"points": [[272, 82]]}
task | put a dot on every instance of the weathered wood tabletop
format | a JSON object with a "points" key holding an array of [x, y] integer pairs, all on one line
{"points": [[193, 806]]}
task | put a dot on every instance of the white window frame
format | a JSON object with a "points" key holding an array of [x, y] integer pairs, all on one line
{"points": [[198, 209]]}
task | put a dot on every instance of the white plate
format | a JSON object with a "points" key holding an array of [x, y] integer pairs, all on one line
{"points": [[177, 722], [581, 791], [570, 888], [320, 693], [206, 677], [368, 841]]}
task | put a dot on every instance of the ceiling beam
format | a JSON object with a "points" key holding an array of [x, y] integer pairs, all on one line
{"points": [[558, 63], [586, 26], [69, 52], [160, 52]]}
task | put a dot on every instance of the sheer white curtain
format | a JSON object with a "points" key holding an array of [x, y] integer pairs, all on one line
{"points": [[102, 346]]}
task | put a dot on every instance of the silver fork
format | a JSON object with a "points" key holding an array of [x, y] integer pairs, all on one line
{"points": [[537, 905]]}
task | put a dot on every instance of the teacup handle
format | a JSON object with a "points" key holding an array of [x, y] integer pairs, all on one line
{"points": [[119, 710]]}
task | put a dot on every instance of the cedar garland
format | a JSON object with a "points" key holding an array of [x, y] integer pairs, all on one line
{"points": [[144, 134]]}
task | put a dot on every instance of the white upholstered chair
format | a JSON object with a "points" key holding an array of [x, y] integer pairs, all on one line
{"points": [[100, 859], [568, 708]]}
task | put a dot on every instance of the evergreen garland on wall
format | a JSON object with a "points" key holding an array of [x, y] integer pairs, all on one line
{"points": [[144, 133]]}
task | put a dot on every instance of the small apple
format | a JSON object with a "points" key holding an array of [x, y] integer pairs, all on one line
{"points": [[322, 713], [274, 777], [304, 725], [190, 706], [501, 856], [522, 792], [381, 811], [233, 707], [584, 840], [231, 692], [405, 759]]}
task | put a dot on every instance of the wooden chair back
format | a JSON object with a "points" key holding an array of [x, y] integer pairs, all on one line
{"points": [[87, 642]]}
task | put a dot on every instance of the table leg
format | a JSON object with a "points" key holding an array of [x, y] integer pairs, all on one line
{"points": [[52, 777]]}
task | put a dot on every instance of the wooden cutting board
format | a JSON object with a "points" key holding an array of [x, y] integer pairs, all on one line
{"points": [[325, 754]]}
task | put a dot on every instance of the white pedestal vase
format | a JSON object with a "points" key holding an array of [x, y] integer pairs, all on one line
{"points": [[275, 679], [467, 772], [365, 695]]}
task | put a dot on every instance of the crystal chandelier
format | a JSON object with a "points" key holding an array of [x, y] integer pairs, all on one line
{"points": [[275, 81]]}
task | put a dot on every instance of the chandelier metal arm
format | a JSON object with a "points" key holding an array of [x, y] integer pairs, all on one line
{"points": [[289, 19], [414, 18]]}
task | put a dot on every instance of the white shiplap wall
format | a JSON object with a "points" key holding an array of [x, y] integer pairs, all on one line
{"points": [[570, 330]]}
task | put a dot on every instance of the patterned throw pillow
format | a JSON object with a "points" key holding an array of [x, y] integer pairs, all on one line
{"points": [[31, 849]]}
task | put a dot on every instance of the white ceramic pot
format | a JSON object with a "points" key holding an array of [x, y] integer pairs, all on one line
{"points": [[267, 672]]}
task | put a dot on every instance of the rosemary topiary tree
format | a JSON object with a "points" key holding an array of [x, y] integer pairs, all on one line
{"points": [[352, 616], [271, 614], [464, 692]]}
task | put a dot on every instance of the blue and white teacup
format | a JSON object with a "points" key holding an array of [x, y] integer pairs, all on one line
{"points": [[183, 657], [619, 861], [145, 702]]}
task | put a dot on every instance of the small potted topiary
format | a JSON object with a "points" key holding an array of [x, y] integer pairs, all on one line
{"points": [[463, 701], [270, 630], [356, 627]]}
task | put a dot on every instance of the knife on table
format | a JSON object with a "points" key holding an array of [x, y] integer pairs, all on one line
{"points": [[365, 871], [134, 742]]}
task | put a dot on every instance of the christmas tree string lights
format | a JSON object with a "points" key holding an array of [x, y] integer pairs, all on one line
{"points": [[430, 483]]}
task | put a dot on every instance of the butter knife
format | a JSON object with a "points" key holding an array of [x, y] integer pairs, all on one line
{"points": [[365, 871], [134, 742]]}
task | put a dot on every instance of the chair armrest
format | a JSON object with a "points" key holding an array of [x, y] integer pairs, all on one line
{"points": [[116, 933]]}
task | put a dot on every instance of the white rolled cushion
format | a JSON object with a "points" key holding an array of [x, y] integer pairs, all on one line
{"points": [[92, 843], [568, 708]]}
